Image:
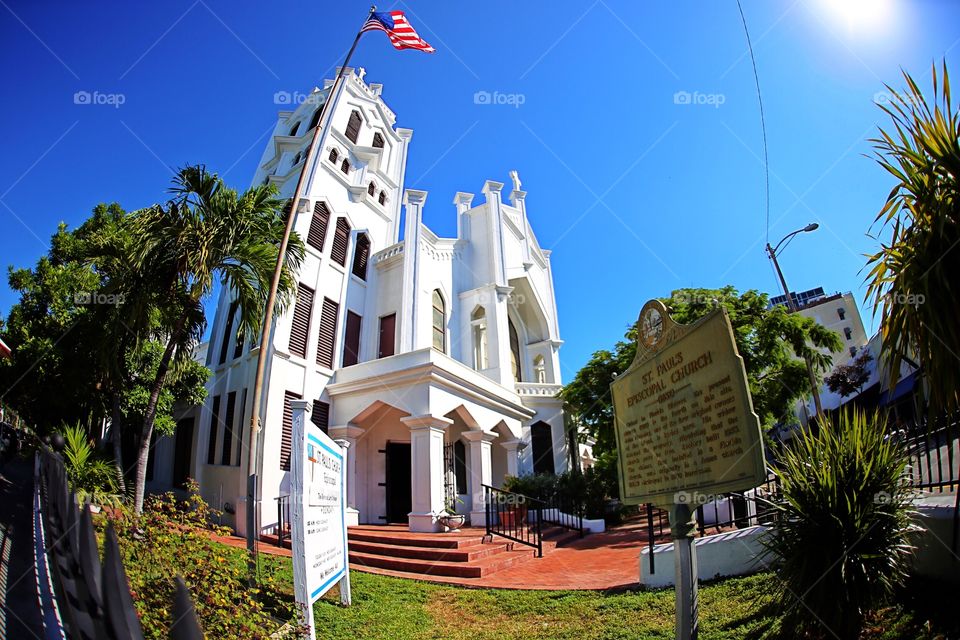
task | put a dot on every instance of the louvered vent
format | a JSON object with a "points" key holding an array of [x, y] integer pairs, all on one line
{"points": [[328, 333], [341, 236], [300, 330]]}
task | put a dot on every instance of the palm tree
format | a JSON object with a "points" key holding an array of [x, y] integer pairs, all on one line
{"points": [[912, 277], [208, 232]]}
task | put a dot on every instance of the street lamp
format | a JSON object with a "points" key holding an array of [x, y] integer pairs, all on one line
{"points": [[791, 304]]}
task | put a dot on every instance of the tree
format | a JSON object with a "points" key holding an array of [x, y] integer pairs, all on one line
{"points": [[84, 351], [912, 278], [771, 341], [206, 232], [847, 379]]}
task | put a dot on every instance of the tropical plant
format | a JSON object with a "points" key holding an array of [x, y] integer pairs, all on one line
{"points": [[847, 379], [206, 233], [912, 278], [840, 542], [176, 537], [91, 476], [86, 332]]}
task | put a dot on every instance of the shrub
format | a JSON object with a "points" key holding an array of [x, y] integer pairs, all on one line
{"points": [[840, 542], [588, 491], [174, 537], [91, 476]]}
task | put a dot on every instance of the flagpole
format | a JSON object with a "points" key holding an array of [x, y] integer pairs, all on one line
{"points": [[254, 454]]}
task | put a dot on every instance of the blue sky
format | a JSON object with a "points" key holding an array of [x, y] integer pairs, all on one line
{"points": [[636, 194]]}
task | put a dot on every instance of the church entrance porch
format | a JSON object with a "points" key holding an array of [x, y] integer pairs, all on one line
{"points": [[426, 433]]}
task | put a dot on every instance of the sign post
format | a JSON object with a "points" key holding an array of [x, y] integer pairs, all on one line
{"points": [[686, 430], [318, 514]]}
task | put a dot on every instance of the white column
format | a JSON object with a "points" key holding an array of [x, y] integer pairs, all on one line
{"points": [[480, 473], [409, 313], [513, 447], [349, 434], [426, 465]]}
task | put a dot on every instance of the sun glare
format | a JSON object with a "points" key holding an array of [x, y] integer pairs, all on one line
{"points": [[861, 16]]}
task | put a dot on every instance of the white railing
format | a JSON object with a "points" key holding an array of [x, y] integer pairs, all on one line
{"points": [[544, 389]]}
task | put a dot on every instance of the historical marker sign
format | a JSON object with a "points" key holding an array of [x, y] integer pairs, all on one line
{"points": [[684, 418], [318, 513]]}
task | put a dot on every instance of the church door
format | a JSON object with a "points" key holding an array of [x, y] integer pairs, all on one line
{"points": [[398, 481]]}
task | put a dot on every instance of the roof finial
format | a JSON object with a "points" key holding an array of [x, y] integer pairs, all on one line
{"points": [[516, 179]]}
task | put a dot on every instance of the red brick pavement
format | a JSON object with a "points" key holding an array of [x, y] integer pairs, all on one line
{"points": [[599, 561]]}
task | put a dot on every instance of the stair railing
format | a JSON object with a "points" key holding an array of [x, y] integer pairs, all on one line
{"points": [[514, 516]]}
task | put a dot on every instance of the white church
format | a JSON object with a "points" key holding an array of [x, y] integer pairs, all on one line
{"points": [[436, 359]]}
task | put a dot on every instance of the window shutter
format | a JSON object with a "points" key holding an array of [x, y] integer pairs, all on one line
{"points": [[226, 457], [353, 127], [351, 341], [300, 330], [328, 333], [286, 438], [318, 226], [371, 189], [361, 256], [225, 342], [378, 140], [340, 239], [388, 325], [214, 426], [320, 415], [334, 155], [345, 166], [383, 197]]}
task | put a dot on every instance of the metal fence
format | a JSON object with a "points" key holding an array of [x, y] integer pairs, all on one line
{"points": [[82, 597]]}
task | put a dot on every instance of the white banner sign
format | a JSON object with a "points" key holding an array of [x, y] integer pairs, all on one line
{"points": [[318, 513]]}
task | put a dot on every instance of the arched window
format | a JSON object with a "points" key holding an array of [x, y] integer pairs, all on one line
{"points": [[297, 158], [378, 140], [345, 166], [334, 154], [514, 352], [383, 197], [316, 118], [478, 320], [353, 127], [293, 131], [439, 322], [540, 369], [361, 255], [341, 238], [371, 188]]}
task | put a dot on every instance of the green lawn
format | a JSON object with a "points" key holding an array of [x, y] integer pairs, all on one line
{"points": [[393, 608]]}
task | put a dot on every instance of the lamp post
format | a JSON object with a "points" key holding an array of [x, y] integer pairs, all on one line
{"points": [[791, 305]]}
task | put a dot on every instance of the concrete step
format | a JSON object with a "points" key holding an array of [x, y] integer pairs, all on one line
{"points": [[467, 553], [409, 539], [414, 567]]}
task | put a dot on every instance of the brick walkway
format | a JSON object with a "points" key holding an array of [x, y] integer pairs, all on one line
{"points": [[599, 561]]}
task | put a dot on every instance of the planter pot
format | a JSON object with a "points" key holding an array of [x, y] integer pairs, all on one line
{"points": [[513, 518], [452, 522]]}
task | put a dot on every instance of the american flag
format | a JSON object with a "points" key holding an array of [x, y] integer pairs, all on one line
{"points": [[395, 25]]}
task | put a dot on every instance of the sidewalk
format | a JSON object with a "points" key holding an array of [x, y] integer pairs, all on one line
{"points": [[20, 611]]}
